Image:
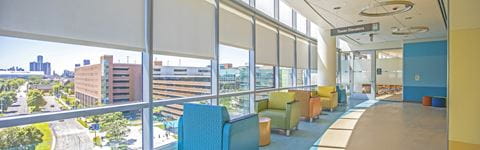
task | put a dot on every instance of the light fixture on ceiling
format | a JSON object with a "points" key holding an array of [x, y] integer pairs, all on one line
{"points": [[408, 18], [337, 8], [404, 7], [360, 20], [410, 30]]}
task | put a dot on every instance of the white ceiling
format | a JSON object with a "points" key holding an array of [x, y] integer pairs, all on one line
{"points": [[424, 13]]}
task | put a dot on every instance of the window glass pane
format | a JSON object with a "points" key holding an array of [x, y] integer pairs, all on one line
{"points": [[264, 77], [314, 30], [234, 70], [266, 6], [246, 1], [285, 13], [236, 105], [286, 75], [175, 77], [314, 77], [301, 23], [65, 76], [118, 130], [301, 77]]}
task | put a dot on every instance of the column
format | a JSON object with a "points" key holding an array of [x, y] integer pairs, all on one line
{"points": [[327, 58]]}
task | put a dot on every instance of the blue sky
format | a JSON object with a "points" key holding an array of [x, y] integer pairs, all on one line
{"points": [[20, 52]]}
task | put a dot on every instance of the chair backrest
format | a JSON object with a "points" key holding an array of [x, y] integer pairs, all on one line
{"points": [[326, 91], [303, 97], [279, 100], [203, 126]]}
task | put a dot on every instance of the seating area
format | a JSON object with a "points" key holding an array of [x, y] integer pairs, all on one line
{"points": [[282, 113]]}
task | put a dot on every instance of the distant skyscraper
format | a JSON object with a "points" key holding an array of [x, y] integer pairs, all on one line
{"points": [[86, 62], [41, 66]]}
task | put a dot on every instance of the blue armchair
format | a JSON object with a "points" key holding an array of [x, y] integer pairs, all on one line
{"points": [[207, 127]]}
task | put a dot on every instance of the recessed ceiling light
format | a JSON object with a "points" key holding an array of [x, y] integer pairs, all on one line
{"points": [[408, 18], [410, 30], [371, 11], [337, 8], [357, 39], [360, 20]]}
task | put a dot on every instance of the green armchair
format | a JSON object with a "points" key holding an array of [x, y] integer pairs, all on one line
{"points": [[282, 109]]}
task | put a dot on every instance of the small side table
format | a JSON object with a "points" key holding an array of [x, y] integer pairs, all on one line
{"points": [[264, 127]]}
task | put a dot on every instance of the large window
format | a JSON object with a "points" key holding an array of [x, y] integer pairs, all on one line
{"points": [[301, 23], [266, 6], [302, 77], [265, 77], [175, 77], [314, 30], [234, 70], [285, 13], [286, 77], [95, 72]]}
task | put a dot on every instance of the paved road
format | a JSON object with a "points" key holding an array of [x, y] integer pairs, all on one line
{"points": [[69, 133], [20, 107]]}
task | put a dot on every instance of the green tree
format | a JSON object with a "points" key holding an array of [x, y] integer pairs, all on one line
{"points": [[115, 125], [68, 88], [56, 88], [35, 99], [20, 137], [7, 99]]}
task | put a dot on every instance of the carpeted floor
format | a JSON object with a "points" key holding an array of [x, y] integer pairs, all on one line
{"points": [[307, 133]]}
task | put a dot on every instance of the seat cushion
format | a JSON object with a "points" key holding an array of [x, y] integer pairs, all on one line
{"points": [[279, 100], [277, 117], [326, 91]]}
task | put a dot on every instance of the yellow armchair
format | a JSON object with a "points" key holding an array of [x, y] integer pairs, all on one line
{"points": [[329, 97]]}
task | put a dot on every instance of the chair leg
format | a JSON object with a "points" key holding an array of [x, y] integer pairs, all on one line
{"points": [[287, 132], [311, 119], [331, 109]]}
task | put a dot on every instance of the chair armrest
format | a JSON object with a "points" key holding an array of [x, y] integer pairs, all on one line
{"points": [[293, 113], [180, 133], [261, 105], [241, 133]]}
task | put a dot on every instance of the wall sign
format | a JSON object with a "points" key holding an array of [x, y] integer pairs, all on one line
{"points": [[355, 29]]}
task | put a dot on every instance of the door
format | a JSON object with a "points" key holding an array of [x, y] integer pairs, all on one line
{"points": [[363, 86], [389, 71]]}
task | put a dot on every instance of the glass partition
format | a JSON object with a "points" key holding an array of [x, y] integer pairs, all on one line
{"points": [[389, 73], [285, 13]]}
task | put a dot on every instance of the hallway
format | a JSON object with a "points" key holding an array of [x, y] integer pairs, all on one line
{"points": [[396, 125]]}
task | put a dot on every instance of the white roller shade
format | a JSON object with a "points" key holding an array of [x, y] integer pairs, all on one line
{"points": [[235, 28], [266, 44], [302, 54], [287, 50], [314, 56], [181, 27], [101, 23], [184, 28]]}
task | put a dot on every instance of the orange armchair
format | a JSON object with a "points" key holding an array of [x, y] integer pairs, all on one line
{"points": [[310, 106]]}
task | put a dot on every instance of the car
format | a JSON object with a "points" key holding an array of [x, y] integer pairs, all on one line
{"points": [[52, 105]]}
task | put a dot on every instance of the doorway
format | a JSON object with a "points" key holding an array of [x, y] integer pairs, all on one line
{"points": [[373, 74], [389, 75]]}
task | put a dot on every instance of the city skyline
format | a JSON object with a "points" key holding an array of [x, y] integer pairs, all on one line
{"points": [[65, 56]]}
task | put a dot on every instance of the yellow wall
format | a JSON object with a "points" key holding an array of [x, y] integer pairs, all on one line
{"points": [[464, 75]]}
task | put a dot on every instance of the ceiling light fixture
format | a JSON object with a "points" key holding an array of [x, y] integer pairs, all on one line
{"points": [[410, 30], [360, 20], [397, 6], [408, 18], [337, 8]]}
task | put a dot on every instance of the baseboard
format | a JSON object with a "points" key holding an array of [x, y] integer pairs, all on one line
{"points": [[456, 145]]}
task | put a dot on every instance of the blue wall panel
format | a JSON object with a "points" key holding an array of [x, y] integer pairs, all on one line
{"points": [[428, 61]]}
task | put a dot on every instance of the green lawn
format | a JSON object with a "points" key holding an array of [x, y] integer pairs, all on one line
{"points": [[47, 136]]}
